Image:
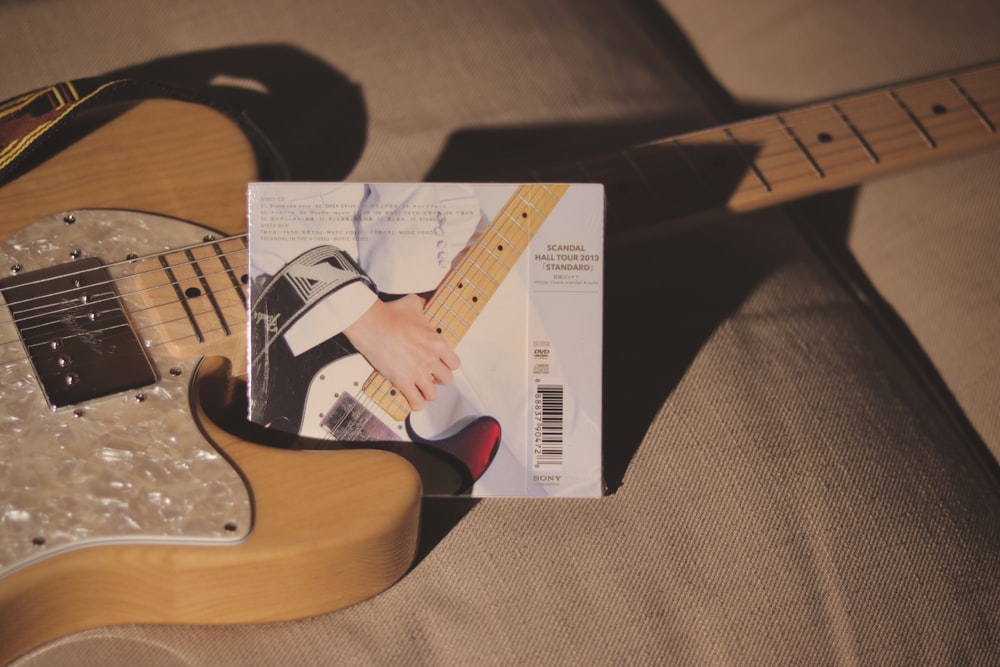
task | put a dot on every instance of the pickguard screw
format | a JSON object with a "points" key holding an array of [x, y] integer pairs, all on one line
{"points": [[131, 257], [16, 268], [78, 413], [175, 371], [209, 238], [75, 254], [139, 398], [69, 219]]}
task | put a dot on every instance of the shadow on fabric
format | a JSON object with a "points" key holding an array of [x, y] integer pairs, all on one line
{"points": [[316, 119]]}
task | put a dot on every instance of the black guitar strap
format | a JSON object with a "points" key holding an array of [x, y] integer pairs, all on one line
{"points": [[29, 121], [295, 289]]}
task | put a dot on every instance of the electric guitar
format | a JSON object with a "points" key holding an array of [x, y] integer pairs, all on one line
{"points": [[133, 489], [131, 492]]}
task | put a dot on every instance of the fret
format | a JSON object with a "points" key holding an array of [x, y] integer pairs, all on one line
{"points": [[171, 279], [238, 280], [887, 132], [507, 241], [194, 299], [921, 130], [517, 222], [473, 273], [459, 311], [529, 203], [780, 157], [849, 124], [195, 294], [827, 139], [801, 146], [466, 290], [945, 113], [981, 86], [495, 250], [821, 147], [206, 290], [748, 161], [226, 290], [983, 118], [715, 158], [449, 325]]}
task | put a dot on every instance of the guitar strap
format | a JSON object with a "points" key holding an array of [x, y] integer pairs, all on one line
{"points": [[29, 121], [296, 288]]}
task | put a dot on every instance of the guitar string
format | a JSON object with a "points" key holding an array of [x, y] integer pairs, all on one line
{"points": [[967, 125], [438, 309], [863, 107], [963, 122], [842, 144], [779, 131], [198, 261], [787, 137], [377, 388], [233, 270], [156, 270], [242, 236]]}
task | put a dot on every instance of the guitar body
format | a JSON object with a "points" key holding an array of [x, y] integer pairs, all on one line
{"points": [[327, 407], [144, 501]]}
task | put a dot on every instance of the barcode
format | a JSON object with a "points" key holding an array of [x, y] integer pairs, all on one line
{"points": [[548, 448]]}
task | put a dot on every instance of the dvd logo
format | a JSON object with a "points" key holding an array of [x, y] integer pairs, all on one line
{"points": [[541, 354]]}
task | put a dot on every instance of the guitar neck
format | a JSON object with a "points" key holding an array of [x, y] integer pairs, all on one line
{"points": [[774, 159], [470, 285]]}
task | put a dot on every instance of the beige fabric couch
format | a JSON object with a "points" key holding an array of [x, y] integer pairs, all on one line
{"points": [[802, 474]]}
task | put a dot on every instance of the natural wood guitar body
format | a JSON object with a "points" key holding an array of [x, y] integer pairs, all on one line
{"points": [[328, 528]]}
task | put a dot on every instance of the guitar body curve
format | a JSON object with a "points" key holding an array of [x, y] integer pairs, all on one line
{"points": [[299, 533], [331, 412]]}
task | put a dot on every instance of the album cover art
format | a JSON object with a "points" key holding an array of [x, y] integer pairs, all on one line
{"points": [[458, 325]]}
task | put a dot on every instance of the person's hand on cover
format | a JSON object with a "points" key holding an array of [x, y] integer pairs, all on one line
{"points": [[400, 343]]}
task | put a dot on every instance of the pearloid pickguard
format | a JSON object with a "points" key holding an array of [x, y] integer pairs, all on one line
{"points": [[132, 467]]}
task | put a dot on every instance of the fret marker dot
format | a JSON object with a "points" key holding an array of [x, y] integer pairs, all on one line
{"points": [[500, 248], [524, 215], [192, 292], [438, 330], [824, 137], [939, 109], [244, 279], [475, 299]]}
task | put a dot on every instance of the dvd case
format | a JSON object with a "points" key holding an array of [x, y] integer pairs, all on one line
{"points": [[508, 276]]}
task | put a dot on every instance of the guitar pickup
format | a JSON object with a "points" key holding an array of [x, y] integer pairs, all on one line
{"points": [[76, 332]]}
